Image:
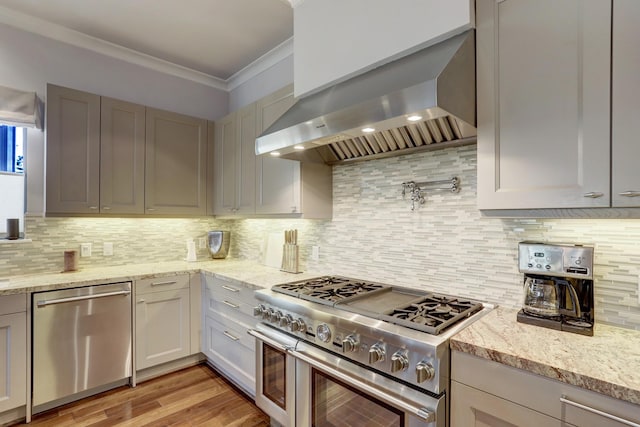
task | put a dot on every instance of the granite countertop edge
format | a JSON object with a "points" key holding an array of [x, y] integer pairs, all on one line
{"points": [[569, 358]]}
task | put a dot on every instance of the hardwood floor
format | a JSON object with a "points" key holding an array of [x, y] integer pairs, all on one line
{"points": [[196, 396]]}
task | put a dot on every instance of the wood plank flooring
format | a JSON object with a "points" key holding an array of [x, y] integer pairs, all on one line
{"points": [[196, 396]]}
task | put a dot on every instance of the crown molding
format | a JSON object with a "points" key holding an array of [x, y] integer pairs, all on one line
{"points": [[294, 3], [266, 61], [75, 38]]}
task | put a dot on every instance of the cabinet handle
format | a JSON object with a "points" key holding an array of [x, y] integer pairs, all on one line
{"points": [[294, 209], [150, 209], [630, 193], [231, 337], [564, 399], [106, 208], [593, 195], [140, 301], [230, 289], [93, 207], [230, 304], [170, 282]]}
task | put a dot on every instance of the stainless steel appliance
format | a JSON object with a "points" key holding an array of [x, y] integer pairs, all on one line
{"points": [[219, 243], [558, 286], [81, 340], [339, 351]]}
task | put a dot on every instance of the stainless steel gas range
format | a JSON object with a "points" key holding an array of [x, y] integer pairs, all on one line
{"points": [[336, 351]]}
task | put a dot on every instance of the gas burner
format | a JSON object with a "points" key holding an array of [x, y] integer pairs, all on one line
{"points": [[432, 313], [342, 292], [304, 287]]}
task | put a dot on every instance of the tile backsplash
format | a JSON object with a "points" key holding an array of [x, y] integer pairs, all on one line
{"points": [[445, 245]]}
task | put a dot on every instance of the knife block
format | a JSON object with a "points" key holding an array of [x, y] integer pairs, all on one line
{"points": [[290, 258]]}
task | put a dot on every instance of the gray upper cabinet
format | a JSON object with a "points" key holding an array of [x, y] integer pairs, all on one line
{"points": [[73, 151], [625, 179], [277, 180], [235, 163], [122, 135], [106, 156], [543, 70], [175, 164]]}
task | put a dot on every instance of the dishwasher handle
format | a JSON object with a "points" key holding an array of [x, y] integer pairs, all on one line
{"points": [[44, 303]]}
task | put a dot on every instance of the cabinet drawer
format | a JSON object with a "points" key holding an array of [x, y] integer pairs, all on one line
{"points": [[231, 307], [223, 288], [13, 303], [158, 284], [232, 333]]}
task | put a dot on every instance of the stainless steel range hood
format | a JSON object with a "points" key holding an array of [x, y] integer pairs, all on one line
{"points": [[436, 84]]}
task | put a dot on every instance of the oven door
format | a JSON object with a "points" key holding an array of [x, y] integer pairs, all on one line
{"points": [[331, 391], [275, 374]]}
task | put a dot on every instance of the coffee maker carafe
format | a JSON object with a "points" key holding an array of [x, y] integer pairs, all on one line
{"points": [[558, 286]]}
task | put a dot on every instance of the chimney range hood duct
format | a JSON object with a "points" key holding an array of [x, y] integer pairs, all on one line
{"points": [[436, 84]]}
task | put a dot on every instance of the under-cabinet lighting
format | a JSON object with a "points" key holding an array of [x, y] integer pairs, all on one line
{"points": [[275, 153], [368, 130], [298, 147], [414, 118]]}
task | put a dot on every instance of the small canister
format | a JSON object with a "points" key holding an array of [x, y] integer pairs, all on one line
{"points": [[13, 228], [70, 260]]}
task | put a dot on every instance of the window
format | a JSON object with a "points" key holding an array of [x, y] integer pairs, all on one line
{"points": [[11, 149]]}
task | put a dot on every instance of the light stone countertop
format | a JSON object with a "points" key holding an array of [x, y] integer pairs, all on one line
{"points": [[248, 272], [607, 363]]}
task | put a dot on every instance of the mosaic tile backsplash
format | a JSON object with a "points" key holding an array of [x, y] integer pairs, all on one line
{"points": [[445, 245]]}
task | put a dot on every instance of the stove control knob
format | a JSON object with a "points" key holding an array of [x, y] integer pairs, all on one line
{"points": [[257, 311], [399, 361], [275, 316], [286, 320], [266, 314], [376, 353], [298, 326], [424, 372], [323, 332], [350, 344]]}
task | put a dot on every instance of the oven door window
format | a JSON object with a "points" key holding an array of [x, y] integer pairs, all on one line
{"points": [[336, 404], [274, 368]]}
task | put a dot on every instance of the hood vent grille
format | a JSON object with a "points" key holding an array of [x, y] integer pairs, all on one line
{"points": [[419, 135]]}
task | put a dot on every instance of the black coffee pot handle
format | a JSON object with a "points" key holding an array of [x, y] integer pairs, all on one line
{"points": [[575, 310]]}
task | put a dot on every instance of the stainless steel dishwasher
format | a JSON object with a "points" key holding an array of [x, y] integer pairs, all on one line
{"points": [[81, 340]]}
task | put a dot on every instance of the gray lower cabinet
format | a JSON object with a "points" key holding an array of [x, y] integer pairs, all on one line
{"points": [[487, 393], [227, 312], [13, 355], [162, 321], [543, 82]]}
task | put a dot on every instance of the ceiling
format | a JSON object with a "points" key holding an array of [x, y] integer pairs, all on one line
{"points": [[218, 38]]}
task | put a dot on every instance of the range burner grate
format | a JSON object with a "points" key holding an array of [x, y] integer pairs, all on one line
{"points": [[329, 290], [433, 313]]}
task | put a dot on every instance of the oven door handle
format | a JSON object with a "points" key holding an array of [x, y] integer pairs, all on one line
{"points": [[272, 342], [423, 413]]}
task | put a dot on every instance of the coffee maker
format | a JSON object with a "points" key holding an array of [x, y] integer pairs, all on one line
{"points": [[557, 287]]}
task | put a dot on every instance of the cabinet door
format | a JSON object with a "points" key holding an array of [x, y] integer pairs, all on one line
{"points": [[472, 407], [73, 151], [122, 130], [175, 164], [543, 70], [246, 172], [13, 361], [277, 180], [625, 104], [225, 166], [162, 327]]}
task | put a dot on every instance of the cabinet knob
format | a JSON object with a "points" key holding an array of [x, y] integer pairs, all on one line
{"points": [[593, 194], [294, 209], [630, 193]]}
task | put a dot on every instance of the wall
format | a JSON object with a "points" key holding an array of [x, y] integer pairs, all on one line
{"points": [[30, 61], [336, 39], [275, 77], [447, 245]]}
